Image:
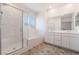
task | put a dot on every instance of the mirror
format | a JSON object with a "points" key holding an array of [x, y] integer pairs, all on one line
{"points": [[66, 22]]}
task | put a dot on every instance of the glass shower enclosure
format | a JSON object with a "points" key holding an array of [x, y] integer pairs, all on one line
{"points": [[11, 29]]}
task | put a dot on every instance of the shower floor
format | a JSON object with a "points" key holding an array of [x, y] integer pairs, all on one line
{"points": [[46, 49]]}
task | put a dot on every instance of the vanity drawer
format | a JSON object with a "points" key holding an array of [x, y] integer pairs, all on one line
{"points": [[58, 34], [57, 37], [70, 34], [65, 41]]}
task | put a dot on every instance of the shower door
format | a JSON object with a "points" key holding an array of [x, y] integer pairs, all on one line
{"points": [[25, 30], [11, 29], [0, 28]]}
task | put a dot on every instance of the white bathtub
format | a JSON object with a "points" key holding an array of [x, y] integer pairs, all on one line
{"points": [[34, 41]]}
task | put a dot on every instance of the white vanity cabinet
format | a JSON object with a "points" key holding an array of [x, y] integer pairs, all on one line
{"points": [[50, 38], [74, 42], [70, 40], [65, 40], [65, 29], [57, 38]]}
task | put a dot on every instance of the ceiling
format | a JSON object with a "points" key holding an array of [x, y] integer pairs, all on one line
{"points": [[39, 7]]}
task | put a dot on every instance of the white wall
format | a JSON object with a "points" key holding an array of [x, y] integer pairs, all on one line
{"points": [[41, 23]]}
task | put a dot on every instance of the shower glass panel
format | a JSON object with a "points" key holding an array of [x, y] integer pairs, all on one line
{"points": [[0, 29], [32, 26], [11, 30], [25, 30]]}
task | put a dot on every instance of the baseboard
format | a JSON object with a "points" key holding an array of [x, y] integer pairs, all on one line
{"points": [[62, 47]]}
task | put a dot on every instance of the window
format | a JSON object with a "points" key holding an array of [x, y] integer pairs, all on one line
{"points": [[29, 20], [25, 20]]}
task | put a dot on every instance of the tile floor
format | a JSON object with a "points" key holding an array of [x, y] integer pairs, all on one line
{"points": [[46, 49]]}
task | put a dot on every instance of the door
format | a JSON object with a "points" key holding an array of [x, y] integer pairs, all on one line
{"points": [[11, 29]]}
